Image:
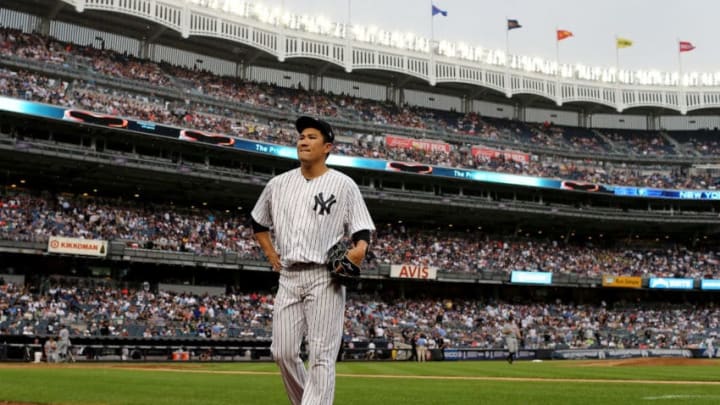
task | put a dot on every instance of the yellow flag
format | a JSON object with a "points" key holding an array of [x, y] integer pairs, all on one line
{"points": [[624, 43]]}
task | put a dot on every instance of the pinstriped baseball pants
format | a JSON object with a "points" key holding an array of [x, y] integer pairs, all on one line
{"points": [[309, 303]]}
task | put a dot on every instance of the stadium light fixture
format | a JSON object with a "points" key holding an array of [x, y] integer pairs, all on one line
{"points": [[358, 33], [446, 48], [285, 19], [324, 25]]}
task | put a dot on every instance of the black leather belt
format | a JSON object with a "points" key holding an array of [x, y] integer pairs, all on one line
{"points": [[303, 266]]}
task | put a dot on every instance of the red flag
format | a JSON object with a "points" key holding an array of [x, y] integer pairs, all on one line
{"points": [[562, 34], [686, 46]]}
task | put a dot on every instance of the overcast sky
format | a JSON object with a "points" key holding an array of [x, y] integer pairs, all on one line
{"points": [[653, 25]]}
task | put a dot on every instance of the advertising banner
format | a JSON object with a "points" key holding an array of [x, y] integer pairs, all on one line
{"points": [[572, 354], [490, 153], [672, 283], [76, 246], [427, 145], [411, 270], [621, 281], [707, 284], [531, 277]]}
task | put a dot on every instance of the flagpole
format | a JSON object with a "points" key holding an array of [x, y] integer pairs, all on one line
{"points": [[431, 67], [348, 38], [508, 90], [507, 43], [557, 62], [677, 42], [432, 29], [557, 52], [617, 55]]}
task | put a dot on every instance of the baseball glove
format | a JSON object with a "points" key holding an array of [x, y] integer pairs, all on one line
{"points": [[340, 267]]}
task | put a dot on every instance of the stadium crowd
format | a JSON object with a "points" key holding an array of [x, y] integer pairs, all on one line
{"points": [[195, 114], [102, 310], [27, 217]]}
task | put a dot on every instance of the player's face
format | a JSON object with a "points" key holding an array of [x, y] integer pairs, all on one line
{"points": [[311, 146]]}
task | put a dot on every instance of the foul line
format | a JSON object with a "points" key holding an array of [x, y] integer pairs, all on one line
{"points": [[376, 376], [435, 377]]}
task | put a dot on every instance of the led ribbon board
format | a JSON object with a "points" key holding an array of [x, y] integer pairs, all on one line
{"points": [[289, 152]]}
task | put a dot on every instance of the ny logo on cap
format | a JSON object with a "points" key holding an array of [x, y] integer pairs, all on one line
{"points": [[324, 204]]}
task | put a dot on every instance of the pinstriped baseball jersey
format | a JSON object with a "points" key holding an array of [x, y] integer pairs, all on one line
{"points": [[307, 217]]}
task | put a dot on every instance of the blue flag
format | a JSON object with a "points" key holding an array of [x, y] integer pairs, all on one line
{"points": [[436, 10]]}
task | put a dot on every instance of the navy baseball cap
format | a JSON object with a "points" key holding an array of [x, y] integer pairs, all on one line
{"points": [[309, 122]]}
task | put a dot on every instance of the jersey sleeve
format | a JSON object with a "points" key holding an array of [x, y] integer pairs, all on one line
{"points": [[262, 212], [358, 216]]}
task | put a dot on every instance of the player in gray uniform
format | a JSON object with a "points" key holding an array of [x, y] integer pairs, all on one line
{"points": [[63, 344], [308, 210], [512, 335]]}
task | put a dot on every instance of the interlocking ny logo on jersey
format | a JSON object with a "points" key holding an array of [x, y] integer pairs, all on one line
{"points": [[323, 204]]}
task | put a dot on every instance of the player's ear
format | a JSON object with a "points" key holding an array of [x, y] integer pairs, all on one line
{"points": [[327, 148]]}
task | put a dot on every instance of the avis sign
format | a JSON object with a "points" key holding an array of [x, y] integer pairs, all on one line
{"points": [[416, 271], [75, 246]]}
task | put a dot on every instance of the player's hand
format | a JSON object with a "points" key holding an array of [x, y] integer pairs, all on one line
{"points": [[274, 260]]}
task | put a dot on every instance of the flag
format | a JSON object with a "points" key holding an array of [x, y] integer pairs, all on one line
{"points": [[563, 34], [686, 46], [513, 24], [436, 10], [623, 42]]}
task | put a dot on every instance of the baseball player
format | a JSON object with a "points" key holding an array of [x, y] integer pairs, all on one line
{"points": [[512, 334], [308, 210], [63, 344], [710, 346]]}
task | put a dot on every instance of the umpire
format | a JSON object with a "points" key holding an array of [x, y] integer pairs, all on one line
{"points": [[308, 210]]}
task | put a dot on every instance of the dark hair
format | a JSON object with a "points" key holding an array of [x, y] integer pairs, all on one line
{"points": [[309, 122]]}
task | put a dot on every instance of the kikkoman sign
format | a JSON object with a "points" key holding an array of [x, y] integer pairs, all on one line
{"points": [[76, 246]]}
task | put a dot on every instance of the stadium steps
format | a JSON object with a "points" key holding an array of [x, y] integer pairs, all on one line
{"points": [[679, 148], [611, 145]]}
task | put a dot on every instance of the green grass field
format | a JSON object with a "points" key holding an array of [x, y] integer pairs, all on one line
{"points": [[396, 383]]}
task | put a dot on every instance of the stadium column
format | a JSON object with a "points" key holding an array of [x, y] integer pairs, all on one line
{"points": [[467, 104], [583, 118], [391, 93], [313, 82], [143, 49], [519, 112], [281, 45], [241, 69], [43, 25]]}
